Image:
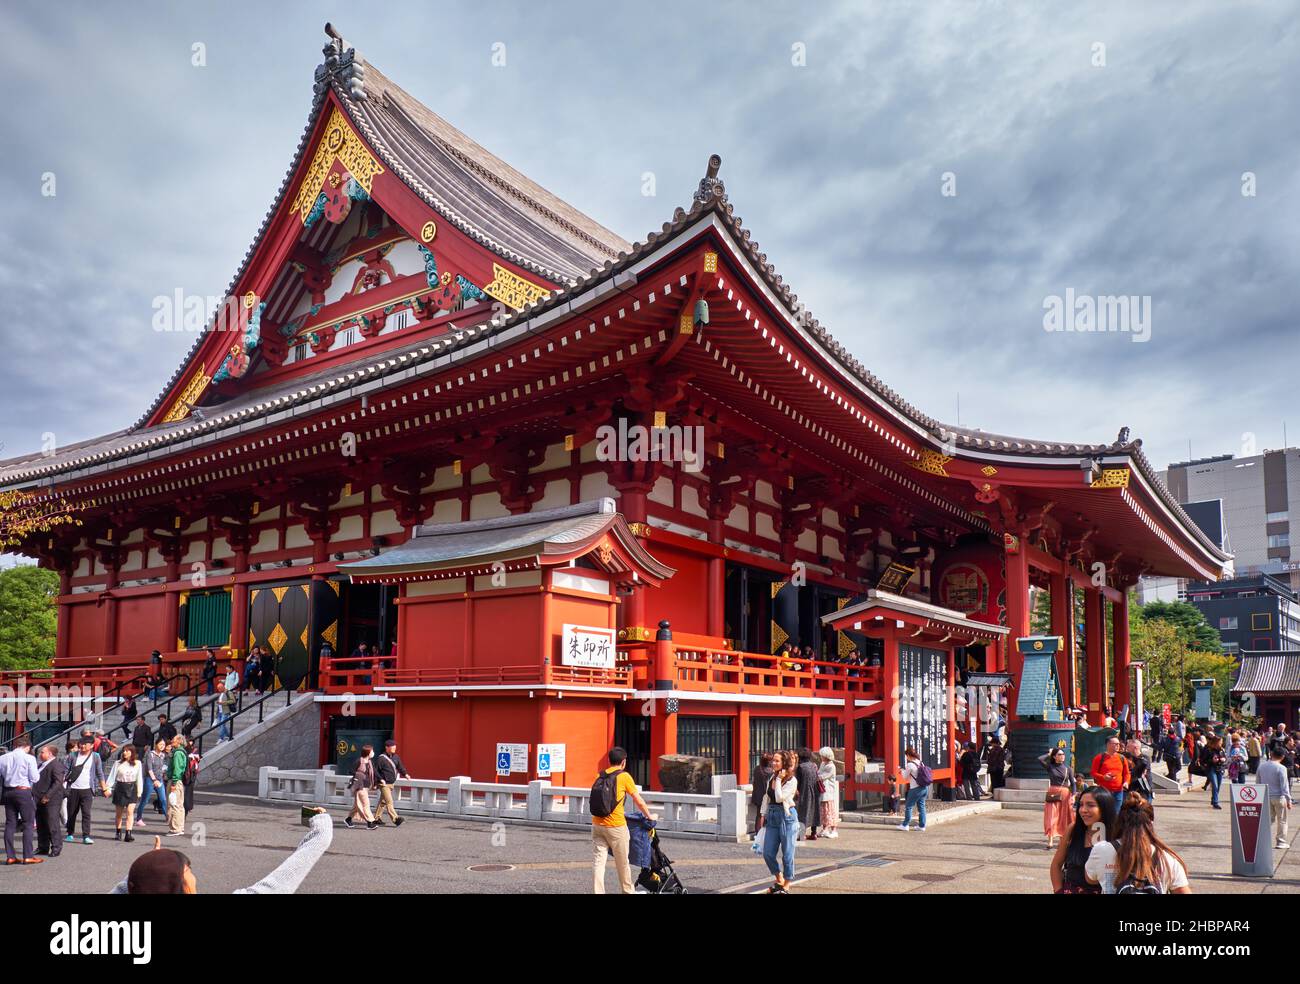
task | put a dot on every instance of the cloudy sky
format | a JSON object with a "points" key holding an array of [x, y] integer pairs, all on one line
{"points": [[1096, 147]]}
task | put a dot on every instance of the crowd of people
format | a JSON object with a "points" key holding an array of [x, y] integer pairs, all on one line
{"points": [[1104, 830], [48, 795]]}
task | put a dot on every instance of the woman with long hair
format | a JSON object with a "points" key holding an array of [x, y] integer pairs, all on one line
{"points": [[1094, 823], [1060, 794], [781, 820], [1136, 861], [126, 792]]}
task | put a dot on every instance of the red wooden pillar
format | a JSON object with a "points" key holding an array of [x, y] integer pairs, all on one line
{"points": [[1017, 607], [889, 683], [742, 745], [1120, 650], [717, 580], [63, 627], [1059, 593], [239, 605], [110, 611], [1094, 626], [848, 795], [632, 503]]}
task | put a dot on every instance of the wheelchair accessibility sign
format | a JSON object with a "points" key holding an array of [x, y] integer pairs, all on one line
{"points": [[550, 759], [511, 758]]}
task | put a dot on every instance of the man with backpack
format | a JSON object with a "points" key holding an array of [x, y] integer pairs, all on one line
{"points": [[609, 833]]}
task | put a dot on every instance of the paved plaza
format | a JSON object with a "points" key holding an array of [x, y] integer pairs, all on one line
{"points": [[999, 852]]}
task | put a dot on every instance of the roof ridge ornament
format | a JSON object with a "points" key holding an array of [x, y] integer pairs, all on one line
{"points": [[341, 63], [711, 186]]}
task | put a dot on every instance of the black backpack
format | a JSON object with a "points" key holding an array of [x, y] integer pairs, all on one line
{"points": [[1137, 886], [604, 794]]}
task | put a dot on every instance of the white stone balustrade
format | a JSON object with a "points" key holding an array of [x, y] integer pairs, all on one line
{"points": [[719, 815]]}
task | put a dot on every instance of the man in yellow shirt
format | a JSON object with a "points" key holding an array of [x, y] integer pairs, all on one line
{"points": [[609, 833]]}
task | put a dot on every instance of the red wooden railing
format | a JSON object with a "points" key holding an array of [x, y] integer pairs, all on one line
{"points": [[711, 669], [340, 675], [108, 672]]}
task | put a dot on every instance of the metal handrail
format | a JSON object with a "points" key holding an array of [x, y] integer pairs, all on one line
{"points": [[240, 709], [78, 724]]}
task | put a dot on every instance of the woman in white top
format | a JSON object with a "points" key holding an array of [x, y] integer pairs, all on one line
{"points": [[830, 796], [127, 780], [781, 815], [1137, 861]]}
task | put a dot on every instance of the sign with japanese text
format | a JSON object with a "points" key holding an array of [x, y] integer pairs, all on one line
{"points": [[584, 645], [923, 704], [550, 759]]}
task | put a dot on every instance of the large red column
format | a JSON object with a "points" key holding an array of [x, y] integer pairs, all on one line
{"points": [[110, 610], [1094, 625], [632, 504], [717, 581], [889, 685], [1059, 592], [1120, 649], [1017, 562]]}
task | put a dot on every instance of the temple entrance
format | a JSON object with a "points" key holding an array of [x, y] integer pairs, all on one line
{"points": [[278, 617], [632, 734], [369, 615], [763, 610]]}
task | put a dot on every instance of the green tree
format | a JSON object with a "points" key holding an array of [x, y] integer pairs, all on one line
{"points": [[1171, 663], [28, 617], [1192, 627]]}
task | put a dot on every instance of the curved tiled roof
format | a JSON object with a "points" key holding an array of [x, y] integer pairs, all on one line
{"points": [[516, 218], [479, 193]]}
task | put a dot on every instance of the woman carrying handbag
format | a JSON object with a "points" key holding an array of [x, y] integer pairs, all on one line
{"points": [[363, 780], [1058, 803]]}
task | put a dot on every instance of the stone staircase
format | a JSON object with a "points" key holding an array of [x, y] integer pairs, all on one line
{"points": [[1028, 794], [1021, 794]]}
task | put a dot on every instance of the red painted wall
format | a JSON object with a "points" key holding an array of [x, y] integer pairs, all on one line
{"points": [[437, 741], [680, 599], [86, 628], [140, 623]]}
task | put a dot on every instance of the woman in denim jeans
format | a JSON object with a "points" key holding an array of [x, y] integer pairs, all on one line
{"points": [[916, 793], [781, 820]]}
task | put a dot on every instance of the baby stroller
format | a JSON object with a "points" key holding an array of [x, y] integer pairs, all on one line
{"points": [[657, 875]]}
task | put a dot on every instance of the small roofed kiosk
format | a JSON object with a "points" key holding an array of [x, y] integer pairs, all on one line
{"points": [[1269, 683], [509, 629], [918, 675], [419, 336]]}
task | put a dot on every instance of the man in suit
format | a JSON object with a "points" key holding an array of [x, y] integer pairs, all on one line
{"points": [[48, 793], [18, 774]]}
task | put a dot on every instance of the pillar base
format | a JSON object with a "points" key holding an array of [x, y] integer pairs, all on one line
{"points": [[1030, 739]]}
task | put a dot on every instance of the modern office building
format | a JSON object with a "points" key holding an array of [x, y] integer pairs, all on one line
{"points": [[1256, 493], [1252, 613]]}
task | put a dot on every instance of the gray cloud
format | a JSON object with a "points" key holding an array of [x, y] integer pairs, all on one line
{"points": [[1122, 179]]}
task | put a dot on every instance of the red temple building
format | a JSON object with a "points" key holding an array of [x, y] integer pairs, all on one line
{"points": [[573, 489]]}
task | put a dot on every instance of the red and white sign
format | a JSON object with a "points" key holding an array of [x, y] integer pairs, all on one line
{"points": [[1248, 813], [589, 646]]}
